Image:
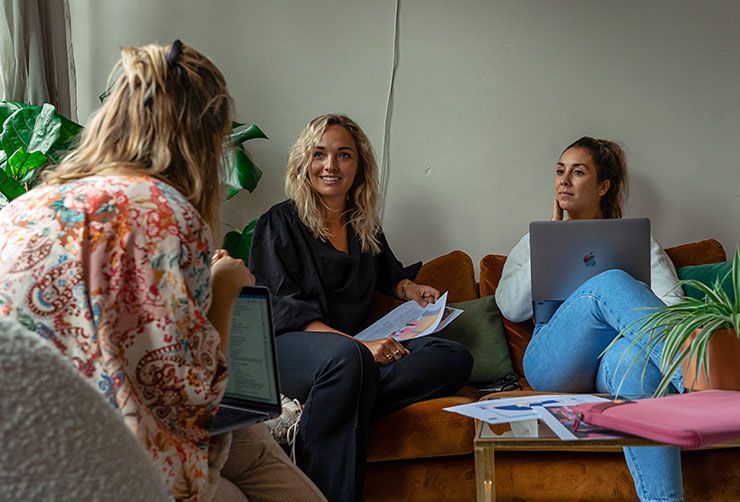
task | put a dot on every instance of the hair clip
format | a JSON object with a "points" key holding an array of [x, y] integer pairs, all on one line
{"points": [[106, 93], [174, 53]]}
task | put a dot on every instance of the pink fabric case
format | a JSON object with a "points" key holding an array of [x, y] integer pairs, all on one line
{"points": [[689, 420]]}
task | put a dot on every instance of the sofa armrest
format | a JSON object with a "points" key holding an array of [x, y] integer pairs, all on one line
{"points": [[697, 253], [518, 335], [491, 267]]}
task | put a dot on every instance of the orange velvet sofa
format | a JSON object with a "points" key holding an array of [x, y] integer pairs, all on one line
{"points": [[424, 453]]}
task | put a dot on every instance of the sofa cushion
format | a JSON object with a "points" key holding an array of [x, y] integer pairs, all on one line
{"points": [[481, 330], [707, 274], [453, 273], [424, 430]]}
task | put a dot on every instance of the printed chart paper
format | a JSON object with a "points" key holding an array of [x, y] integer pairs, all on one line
{"points": [[516, 409], [409, 320]]}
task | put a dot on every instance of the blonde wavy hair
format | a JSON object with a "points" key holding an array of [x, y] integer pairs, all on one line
{"points": [[363, 200], [164, 119]]}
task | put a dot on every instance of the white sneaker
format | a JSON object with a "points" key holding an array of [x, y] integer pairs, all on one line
{"points": [[285, 427]]}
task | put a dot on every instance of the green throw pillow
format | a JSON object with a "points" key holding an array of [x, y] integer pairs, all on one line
{"points": [[481, 329], [707, 274]]}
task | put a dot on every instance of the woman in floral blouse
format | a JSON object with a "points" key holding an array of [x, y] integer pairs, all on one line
{"points": [[111, 261]]}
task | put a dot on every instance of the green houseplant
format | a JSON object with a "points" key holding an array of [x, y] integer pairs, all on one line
{"points": [[702, 335], [244, 174], [33, 137]]}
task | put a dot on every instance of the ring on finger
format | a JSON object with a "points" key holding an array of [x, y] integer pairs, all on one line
{"points": [[389, 356], [396, 352]]}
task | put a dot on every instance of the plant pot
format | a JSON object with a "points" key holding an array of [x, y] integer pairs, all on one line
{"points": [[724, 363]]}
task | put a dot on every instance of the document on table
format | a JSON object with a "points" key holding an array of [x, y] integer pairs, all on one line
{"points": [[564, 422], [517, 409], [410, 320]]}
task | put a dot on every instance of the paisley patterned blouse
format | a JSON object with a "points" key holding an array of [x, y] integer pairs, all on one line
{"points": [[114, 271]]}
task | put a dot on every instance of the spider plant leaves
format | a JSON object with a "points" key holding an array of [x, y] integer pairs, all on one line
{"points": [[711, 293], [736, 282], [674, 326]]}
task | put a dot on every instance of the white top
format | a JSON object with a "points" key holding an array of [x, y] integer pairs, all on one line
{"points": [[514, 292]]}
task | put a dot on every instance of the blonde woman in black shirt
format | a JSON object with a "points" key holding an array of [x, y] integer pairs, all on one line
{"points": [[323, 255]]}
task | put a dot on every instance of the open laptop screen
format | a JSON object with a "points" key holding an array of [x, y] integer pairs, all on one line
{"points": [[251, 357]]}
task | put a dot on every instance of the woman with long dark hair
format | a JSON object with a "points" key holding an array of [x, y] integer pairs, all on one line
{"points": [[590, 182]]}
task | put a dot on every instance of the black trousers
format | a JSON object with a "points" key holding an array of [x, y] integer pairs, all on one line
{"points": [[344, 390]]}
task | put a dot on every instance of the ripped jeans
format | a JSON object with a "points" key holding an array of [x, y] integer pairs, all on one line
{"points": [[563, 356]]}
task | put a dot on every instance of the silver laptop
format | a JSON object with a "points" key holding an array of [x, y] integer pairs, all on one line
{"points": [[253, 390], [564, 254]]}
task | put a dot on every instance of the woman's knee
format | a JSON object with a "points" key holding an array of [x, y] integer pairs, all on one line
{"points": [[350, 359], [625, 369], [451, 355], [461, 358], [546, 373], [613, 279]]}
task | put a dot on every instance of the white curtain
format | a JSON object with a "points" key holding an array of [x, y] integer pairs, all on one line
{"points": [[36, 54]]}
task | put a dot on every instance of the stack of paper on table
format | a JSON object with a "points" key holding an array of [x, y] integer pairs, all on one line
{"points": [[515, 409], [524, 412]]}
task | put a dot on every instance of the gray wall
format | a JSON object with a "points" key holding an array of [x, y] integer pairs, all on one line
{"points": [[487, 95]]}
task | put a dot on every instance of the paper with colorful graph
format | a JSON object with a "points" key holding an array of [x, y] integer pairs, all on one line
{"points": [[410, 320]]}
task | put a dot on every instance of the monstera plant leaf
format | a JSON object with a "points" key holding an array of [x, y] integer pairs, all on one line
{"points": [[239, 242], [243, 174]]}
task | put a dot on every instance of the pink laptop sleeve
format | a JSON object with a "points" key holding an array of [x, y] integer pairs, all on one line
{"points": [[689, 420]]}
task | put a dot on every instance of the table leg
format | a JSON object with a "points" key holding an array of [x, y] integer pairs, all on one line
{"points": [[485, 474]]}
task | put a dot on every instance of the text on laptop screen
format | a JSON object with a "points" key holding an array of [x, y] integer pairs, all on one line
{"points": [[250, 359]]}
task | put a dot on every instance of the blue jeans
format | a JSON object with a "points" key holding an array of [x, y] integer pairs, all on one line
{"points": [[564, 356]]}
